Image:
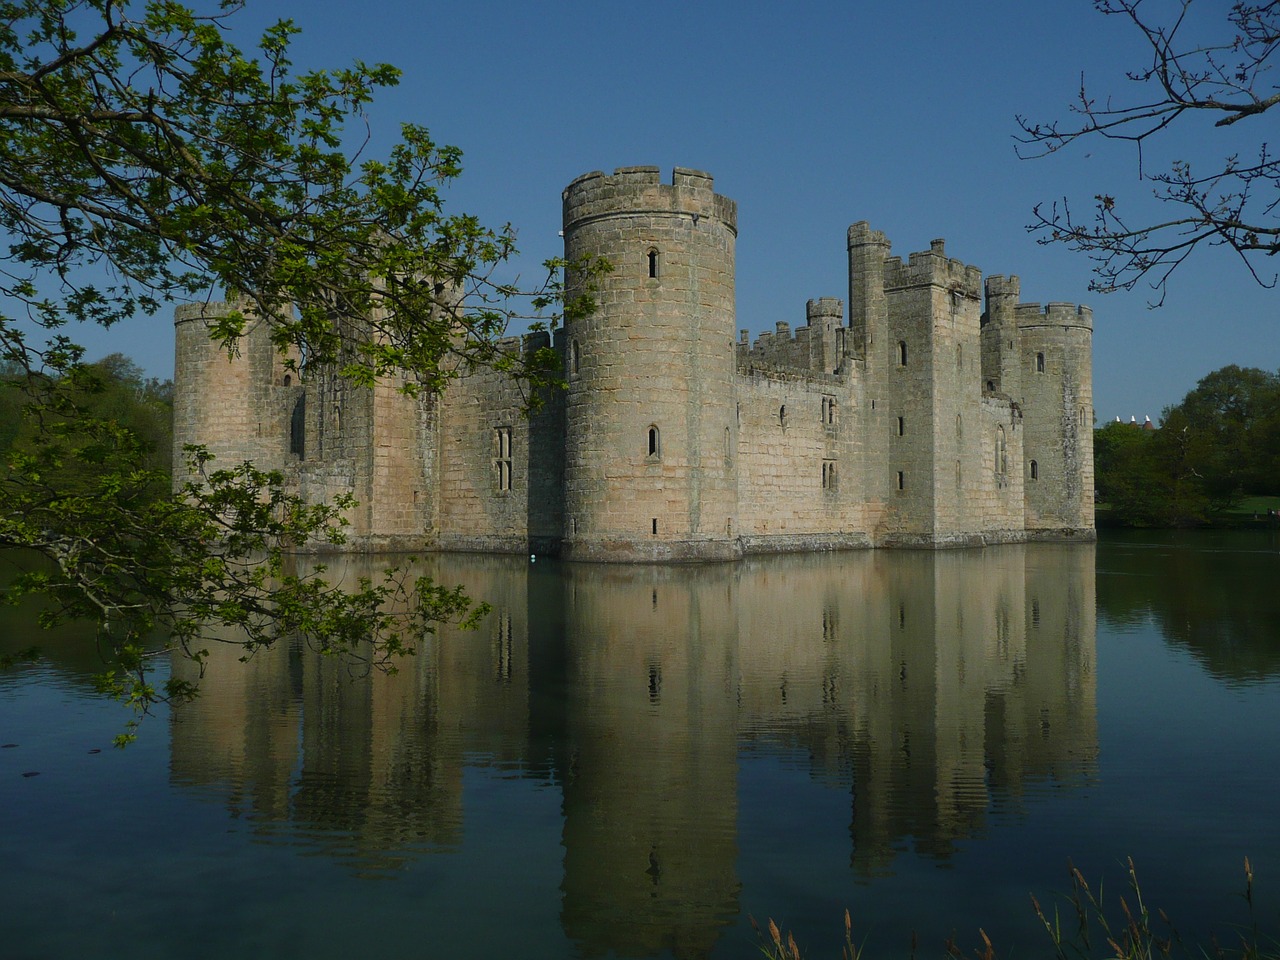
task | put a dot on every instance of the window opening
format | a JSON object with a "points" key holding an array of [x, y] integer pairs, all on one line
{"points": [[298, 428], [1035, 470], [828, 474], [653, 262], [902, 480], [655, 442], [502, 458], [1039, 363], [902, 353], [655, 526], [576, 354], [902, 427], [1002, 454]]}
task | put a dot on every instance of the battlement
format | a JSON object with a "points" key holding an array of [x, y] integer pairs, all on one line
{"points": [[640, 191], [186, 312], [824, 309], [933, 267], [861, 234], [1001, 286], [1054, 315], [811, 349]]}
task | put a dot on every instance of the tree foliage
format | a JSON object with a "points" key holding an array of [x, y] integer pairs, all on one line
{"points": [[1194, 73], [144, 159], [1218, 445]]}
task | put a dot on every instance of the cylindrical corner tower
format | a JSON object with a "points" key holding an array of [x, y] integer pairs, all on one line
{"points": [[235, 406], [651, 448], [1057, 403]]}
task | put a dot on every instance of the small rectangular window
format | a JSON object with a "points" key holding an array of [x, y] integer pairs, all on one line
{"points": [[902, 480], [502, 471]]}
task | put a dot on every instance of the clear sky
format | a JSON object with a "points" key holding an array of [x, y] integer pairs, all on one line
{"points": [[811, 115]]}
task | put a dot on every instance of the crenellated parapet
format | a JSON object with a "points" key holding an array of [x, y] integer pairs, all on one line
{"points": [[817, 348], [933, 267], [1054, 315], [640, 191]]}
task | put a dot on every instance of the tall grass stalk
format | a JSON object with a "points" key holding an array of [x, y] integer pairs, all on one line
{"points": [[1085, 927]]}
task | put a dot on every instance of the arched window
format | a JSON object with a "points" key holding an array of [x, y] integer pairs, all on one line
{"points": [[653, 262], [288, 379], [655, 442], [828, 474], [902, 353], [1039, 363], [1035, 470], [902, 427], [782, 415]]}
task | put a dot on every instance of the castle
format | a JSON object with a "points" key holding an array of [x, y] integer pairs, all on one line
{"points": [[921, 421]]}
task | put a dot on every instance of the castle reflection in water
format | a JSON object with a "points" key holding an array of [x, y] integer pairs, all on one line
{"points": [[929, 685]]}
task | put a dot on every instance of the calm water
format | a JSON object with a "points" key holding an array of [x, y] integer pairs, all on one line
{"points": [[631, 761]]}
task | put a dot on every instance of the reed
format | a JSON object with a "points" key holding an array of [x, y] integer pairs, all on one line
{"points": [[1084, 926]]}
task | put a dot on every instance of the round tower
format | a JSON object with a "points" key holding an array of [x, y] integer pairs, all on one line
{"points": [[1057, 405], [651, 449], [233, 405]]}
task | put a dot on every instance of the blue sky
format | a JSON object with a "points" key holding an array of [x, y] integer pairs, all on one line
{"points": [[811, 115]]}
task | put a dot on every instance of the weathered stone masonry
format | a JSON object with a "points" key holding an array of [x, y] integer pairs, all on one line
{"points": [[925, 420]]}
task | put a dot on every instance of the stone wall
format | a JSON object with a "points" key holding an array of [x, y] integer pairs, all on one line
{"points": [[925, 421], [501, 465]]}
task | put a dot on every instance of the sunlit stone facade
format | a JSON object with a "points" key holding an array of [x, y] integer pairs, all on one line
{"points": [[925, 418]]}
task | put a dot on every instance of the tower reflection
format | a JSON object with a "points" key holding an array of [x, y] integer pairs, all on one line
{"points": [[933, 686]]}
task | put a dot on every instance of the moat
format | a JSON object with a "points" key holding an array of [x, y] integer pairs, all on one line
{"points": [[631, 761]]}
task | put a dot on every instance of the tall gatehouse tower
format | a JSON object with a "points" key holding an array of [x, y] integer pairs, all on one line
{"points": [[651, 414]]}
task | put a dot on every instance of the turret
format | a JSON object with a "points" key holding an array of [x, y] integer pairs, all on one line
{"points": [[1001, 353], [651, 415], [239, 405], [1057, 401]]}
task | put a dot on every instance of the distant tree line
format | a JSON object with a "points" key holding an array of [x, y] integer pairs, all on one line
{"points": [[1218, 446], [37, 407]]}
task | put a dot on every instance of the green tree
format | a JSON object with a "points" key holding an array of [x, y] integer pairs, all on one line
{"points": [[1220, 443], [1231, 417], [143, 159], [1214, 68]]}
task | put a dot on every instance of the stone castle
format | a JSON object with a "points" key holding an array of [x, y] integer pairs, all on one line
{"points": [[922, 420]]}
